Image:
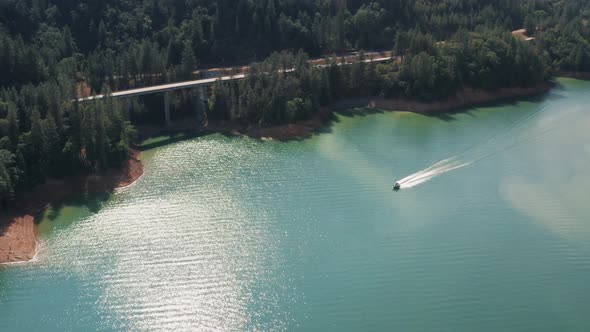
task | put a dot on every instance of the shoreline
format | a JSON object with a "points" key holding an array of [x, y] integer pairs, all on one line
{"points": [[465, 97], [18, 230], [581, 75], [18, 234]]}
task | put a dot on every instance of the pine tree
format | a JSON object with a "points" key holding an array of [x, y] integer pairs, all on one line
{"points": [[37, 152], [101, 34], [13, 124], [170, 54], [53, 144], [325, 92], [270, 17], [6, 185], [68, 44], [38, 138], [197, 29], [102, 139], [188, 63], [579, 58]]}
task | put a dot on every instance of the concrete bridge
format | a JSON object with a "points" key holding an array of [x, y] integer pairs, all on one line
{"points": [[166, 89], [201, 84]]}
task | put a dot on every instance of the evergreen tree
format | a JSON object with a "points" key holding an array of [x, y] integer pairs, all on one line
{"points": [[68, 43], [13, 131], [101, 35], [6, 185], [52, 48], [189, 63]]}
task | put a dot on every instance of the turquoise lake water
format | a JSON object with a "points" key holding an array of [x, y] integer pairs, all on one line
{"points": [[234, 234]]}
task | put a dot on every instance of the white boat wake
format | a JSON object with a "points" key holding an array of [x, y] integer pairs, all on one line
{"points": [[431, 172], [475, 153]]}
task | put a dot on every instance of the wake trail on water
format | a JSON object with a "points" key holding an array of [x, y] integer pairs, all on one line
{"points": [[462, 160], [435, 170], [503, 132], [424, 171]]}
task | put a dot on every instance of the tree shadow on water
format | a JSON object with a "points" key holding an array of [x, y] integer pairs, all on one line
{"points": [[451, 115], [170, 139], [359, 112], [471, 110], [89, 202]]}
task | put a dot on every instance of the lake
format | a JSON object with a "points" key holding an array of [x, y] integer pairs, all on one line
{"points": [[235, 234]]}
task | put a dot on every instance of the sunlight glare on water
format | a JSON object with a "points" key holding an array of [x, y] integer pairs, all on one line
{"points": [[233, 234]]}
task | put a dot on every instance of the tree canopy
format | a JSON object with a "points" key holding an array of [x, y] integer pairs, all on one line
{"points": [[53, 50]]}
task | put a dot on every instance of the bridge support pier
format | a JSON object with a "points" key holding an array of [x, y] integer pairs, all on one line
{"points": [[203, 95], [201, 105], [127, 108], [167, 108]]}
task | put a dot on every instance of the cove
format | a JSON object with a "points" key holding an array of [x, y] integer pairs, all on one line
{"points": [[238, 234]]}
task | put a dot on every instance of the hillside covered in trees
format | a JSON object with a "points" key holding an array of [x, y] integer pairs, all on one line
{"points": [[49, 49]]}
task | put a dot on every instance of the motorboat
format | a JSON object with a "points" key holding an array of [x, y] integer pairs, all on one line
{"points": [[397, 186]]}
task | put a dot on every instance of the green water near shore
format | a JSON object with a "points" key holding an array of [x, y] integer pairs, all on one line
{"points": [[232, 234]]}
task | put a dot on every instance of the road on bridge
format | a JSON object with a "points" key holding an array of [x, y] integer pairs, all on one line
{"points": [[190, 84]]}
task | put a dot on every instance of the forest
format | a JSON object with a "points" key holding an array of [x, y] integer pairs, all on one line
{"points": [[50, 50]]}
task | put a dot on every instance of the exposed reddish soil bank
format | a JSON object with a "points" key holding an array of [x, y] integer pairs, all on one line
{"points": [[18, 239], [17, 230]]}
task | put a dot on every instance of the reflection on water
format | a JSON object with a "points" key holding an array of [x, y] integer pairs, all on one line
{"points": [[551, 206], [230, 234], [553, 190]]}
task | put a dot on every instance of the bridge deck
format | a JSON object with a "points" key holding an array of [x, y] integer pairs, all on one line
{"points": [[164, 87], [188, 84]]}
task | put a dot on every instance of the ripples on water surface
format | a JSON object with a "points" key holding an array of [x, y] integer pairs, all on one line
{"points": [[229, 234]]}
